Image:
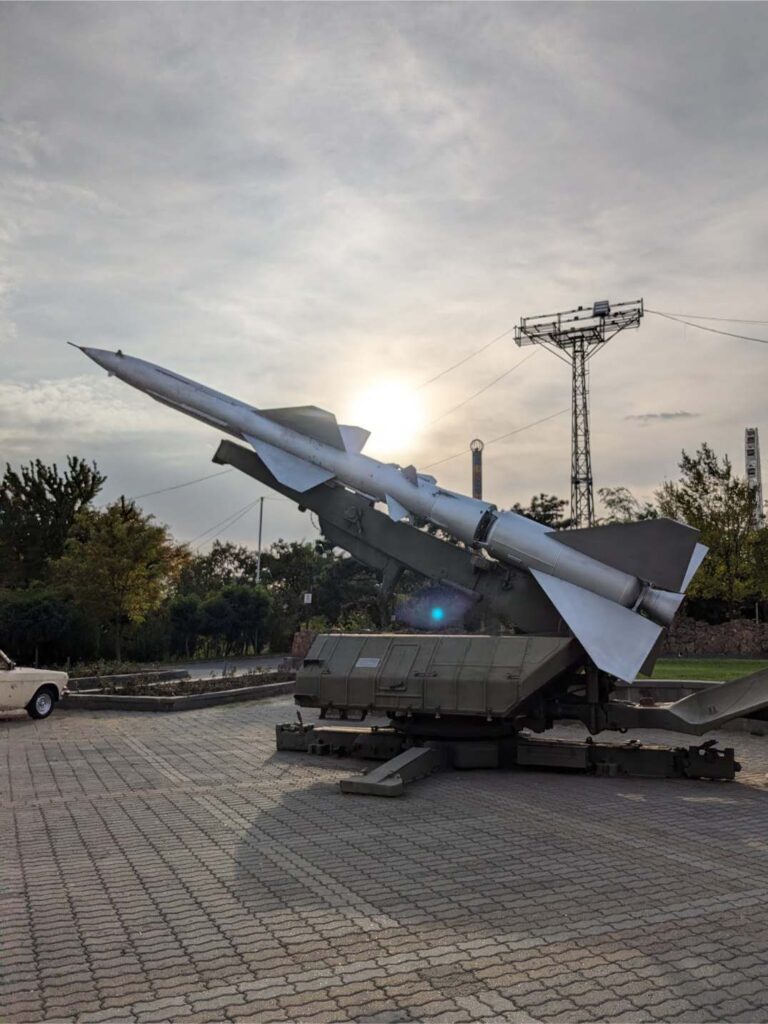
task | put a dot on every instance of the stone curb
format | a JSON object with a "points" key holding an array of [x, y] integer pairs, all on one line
{"points": [[152, 675], [190, 702]]}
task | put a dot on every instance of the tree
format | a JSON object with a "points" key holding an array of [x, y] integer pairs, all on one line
{"points": [[119, 565], [293, 567], [235, 618], [623, 507], [290, 570], [186, 622], [547, 509], [710, 498], [38, 506], [40, 625], [349, 590], [223, 566]]}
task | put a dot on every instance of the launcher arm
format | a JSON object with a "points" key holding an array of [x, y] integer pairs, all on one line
{"points": [[700, 712], [350, 521]]}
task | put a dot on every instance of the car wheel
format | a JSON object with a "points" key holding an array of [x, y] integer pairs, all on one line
{"points": [[42, 703]]}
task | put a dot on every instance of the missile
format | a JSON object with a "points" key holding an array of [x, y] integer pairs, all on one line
{"points": [[616, 586]]}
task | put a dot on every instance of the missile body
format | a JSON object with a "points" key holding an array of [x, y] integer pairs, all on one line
{"points": [[615, 586]]}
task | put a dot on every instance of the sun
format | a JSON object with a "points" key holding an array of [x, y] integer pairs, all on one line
{"points": [[393, 413]]}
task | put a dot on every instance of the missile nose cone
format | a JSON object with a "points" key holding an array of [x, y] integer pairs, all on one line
{"points": [[107, 360]]}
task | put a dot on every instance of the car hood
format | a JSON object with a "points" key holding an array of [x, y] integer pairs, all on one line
{"points": [[21, 673]]}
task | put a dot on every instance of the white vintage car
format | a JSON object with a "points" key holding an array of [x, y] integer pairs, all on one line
{"points": [[35, 690]]}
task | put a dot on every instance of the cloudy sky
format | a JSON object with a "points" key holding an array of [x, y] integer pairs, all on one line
{"points": [[331, 203]]}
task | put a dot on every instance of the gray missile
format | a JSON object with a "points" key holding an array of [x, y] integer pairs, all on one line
{"points": [[616, 586]]}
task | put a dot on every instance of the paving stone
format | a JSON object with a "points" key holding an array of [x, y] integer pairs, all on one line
{"points": [[206, 877], [103, 1017]]}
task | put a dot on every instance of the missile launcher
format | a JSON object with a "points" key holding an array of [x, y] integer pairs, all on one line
{"points": [[586, 608]]}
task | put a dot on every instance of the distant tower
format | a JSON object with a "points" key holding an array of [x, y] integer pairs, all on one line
{"points": [[574, 337], [754, 474]]}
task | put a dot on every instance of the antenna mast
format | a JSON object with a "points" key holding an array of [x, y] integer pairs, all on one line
{"points": [[575, 336]]}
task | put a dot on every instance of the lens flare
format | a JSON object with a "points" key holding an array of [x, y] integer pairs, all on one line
{"points": [[434, 608]]}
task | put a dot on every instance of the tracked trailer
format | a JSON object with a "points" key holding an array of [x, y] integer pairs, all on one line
{"points": [[483, 701]]}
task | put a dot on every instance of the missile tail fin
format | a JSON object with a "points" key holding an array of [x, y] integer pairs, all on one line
{"points": [[310, 421], [617, 640], [699, 553], [295, 473], [646, 669], [659, 551], [354, 438]]}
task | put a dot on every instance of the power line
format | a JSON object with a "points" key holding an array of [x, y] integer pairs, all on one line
{"points": [[177, 487], [501, 437], [710, 330], [482, 390], [199, 479], [466, 359], [224, 524], [696, 316], [234, 517]]}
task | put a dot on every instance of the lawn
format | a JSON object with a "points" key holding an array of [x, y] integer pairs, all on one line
{"points": [[721, 669]]}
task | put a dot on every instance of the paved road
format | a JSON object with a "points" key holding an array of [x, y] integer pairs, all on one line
{"points": [[175, 868]]}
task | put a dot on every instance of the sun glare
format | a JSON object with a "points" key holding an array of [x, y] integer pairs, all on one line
{"points": [[392, 412]]}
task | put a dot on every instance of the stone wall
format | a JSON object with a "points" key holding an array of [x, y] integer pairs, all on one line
{"points": [[687, 637]]}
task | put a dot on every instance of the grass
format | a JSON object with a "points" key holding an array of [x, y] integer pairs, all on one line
{"points": [[720, 669]]}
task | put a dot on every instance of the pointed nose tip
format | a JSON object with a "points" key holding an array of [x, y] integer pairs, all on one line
{"points": [[101, 356]]}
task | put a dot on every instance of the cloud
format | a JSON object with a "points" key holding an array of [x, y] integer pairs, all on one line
{"points": [[289, 201], [648, 417], [77, 410]]}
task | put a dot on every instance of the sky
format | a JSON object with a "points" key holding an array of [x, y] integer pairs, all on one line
{"points": [[330, 204]]}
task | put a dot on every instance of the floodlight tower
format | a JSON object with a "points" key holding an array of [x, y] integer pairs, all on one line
{"points": [[575, 336]]}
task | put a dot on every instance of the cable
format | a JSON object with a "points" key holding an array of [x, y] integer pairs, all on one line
{"points": [[224, 523], [234, 517], [466, 359], [482, 390], [501, 437], [178, 487], [696, 316], [711, 330]]}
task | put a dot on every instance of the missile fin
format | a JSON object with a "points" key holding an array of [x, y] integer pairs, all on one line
{"points": [[354, 438], [646, 669], [309, 421], [618, 640], [656, 550], [699, 553], [396, 510], [295, 473]]}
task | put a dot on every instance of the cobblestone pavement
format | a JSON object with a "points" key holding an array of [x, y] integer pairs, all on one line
{"points": [[175, 868]]}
